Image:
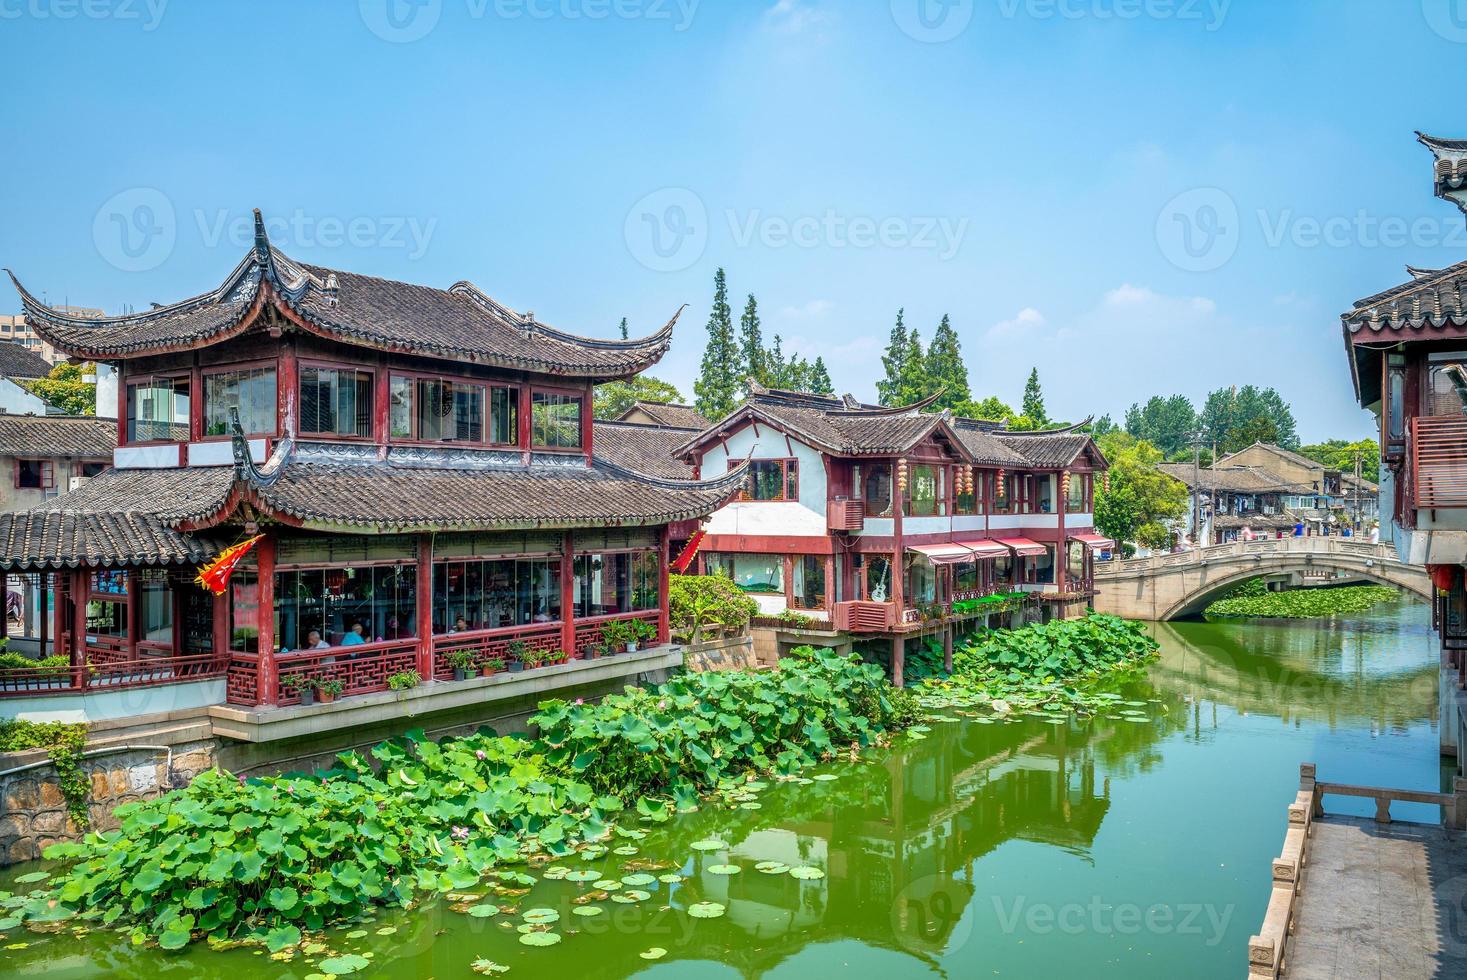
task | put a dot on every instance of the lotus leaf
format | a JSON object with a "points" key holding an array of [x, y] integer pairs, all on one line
{"points": [[540, 938]]}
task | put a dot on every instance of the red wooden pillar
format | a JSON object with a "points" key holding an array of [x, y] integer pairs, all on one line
{"points": [[121, 414], [526, 413], [222, 633], [898, 552], [45, 588], [134, 614], [1061, 551], [265, 685], [425, 606], [79, 592], [5, 593], [789, 581], [381, 407], [586, 420], [287, 392], [61, 588], [664, 556], [568, 593], [830, 587]]}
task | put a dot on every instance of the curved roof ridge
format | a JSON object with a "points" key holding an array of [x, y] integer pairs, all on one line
{"points": [[914, 407], [1438, 143], [1067, 430], [513, 318]]}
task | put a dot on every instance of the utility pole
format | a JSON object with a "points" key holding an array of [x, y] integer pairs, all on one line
{"points": [[1357, 491], [1197, 488]]}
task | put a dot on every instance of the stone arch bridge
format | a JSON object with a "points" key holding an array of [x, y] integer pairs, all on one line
{"points": [[1164, 587]]}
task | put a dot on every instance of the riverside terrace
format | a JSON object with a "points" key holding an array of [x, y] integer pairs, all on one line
{"points": [[419, 462]]}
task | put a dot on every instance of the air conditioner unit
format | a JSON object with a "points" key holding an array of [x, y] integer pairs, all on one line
{"points": [[77, 481]]}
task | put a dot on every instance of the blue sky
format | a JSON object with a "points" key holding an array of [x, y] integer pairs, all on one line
{"points": [[1135, 196]]}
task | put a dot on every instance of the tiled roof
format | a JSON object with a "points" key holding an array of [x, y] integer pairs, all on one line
{"points": [[17, 361], [668, 414], [1451, 163], [1279, 451], [648, 449], [838, 426], [1231, 479], [984, 445], [57, 436], [1258, 522], [460, 323], [1049, 450]]}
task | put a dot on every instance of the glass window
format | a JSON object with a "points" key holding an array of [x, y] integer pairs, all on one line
{"points": [[965, 576], [432, 410], [604, 584], [759, 574], [1075, 567], [252, 392], [324, 605], [1044, 485], [966, 501], [873, 483], [1044, 566], [921, 581], [157, 410], [874, 571], [1396, 398], [35, 474], [773, 479], [478, 594], [924, 490], [106, 617], [155, 612], [809, 584], [1075, 500], [1443, 396], [555, 421], [1003, 569], [336, 401], [244, 607], [504, 416]]}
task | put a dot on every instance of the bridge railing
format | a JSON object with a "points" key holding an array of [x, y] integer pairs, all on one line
{"points": [[1344, 547]]}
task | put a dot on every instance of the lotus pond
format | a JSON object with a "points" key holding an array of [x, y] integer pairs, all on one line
{"points": [[1131, 840]]}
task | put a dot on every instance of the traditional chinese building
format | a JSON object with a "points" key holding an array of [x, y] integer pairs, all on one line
{"points": [[421, 463], [890, 522]]}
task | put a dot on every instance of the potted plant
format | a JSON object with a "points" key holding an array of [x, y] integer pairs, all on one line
{"points": [[404, 680], [517, 651], [646, 632], [302, 685], [558, 657], [532, 658], [329, 689], [491, 665], [618, 634], [463, 663]]}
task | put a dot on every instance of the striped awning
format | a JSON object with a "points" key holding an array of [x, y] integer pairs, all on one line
{"points": [[985, 550], [1023, 547], [943, 554], [1094, 542]]}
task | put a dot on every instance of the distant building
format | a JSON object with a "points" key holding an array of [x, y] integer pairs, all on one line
{"points": [[16, 329], [1235, 502], [19, 363], [42, 456], [666, 414]]}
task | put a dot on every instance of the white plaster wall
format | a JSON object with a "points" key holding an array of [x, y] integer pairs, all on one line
{"points": [[221, 453], [105, 705], [106, 391], [15, 400], [807, 516], [146, 457], [769, 605]]}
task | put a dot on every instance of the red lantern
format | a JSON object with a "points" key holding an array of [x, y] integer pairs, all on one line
{"points": [[1443, 577]]}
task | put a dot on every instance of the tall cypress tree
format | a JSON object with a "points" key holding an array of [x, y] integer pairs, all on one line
{"points": [[912, 385], [623, 328], [945, 368], [1033, 407], [820, 383], [888, 390], [751, 342], [717, 387]]}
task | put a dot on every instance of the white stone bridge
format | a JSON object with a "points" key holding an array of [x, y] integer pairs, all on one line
{"points": [[1165, 587]]}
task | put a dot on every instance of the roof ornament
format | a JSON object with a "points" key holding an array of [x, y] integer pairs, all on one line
{"points": [[262, 240], [849, 400], [244, 463], [329, 291]]}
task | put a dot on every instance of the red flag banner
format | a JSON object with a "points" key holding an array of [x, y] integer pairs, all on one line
{"points": [[689, 552], [214, 577]]}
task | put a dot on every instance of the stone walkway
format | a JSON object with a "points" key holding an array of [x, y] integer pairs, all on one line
{"points": [[1380, 901]]}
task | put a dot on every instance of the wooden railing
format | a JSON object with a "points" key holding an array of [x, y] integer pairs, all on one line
{"points": [[1439, 461], [845, 515], [111, 673], [489, 644], [1266, 949], [588, 631], [362, 669]]}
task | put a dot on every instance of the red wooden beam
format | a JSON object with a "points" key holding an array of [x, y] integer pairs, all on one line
{"points": [[664, 620], [425, 606], [568, 593], [265, 622]]}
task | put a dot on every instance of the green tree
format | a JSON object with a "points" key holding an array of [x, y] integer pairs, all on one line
{"points": [[1228, 410], [990, 409], [64, 389], [615, 397], [1103, 426], [1142, 502], [888, 389], [751, 342], [913, 384], [1339, 454], [1257, 429], [1166, 423], [717, 387], [1033, 405], [820, 383], [623, 328], [945, 368]]}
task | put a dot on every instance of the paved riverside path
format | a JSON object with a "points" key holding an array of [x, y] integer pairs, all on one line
{"points": [[1384, 901]]}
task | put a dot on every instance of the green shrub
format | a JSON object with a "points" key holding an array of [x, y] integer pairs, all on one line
{"points": [[65, 744], [50, 665], [696, 602]]}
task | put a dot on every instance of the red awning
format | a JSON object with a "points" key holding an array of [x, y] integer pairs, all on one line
{"points": [[943, 554], [1022, 547], [1094, 542], [985, 550]]}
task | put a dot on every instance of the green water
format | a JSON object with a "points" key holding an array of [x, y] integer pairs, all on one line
{"points": [[1083, 849]]}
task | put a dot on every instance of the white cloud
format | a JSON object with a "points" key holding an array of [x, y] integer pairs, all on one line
{"points": [[796, 17], [1026, 320], [815, 309]]}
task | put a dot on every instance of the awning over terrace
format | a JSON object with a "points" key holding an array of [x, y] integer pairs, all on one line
{"points": [[1094, 541], [1023, 547], [943, 554], [985, 550]]}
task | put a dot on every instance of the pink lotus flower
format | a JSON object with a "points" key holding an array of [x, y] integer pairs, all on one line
{"points": [[580, 700], [480, 755], [460, 833]]}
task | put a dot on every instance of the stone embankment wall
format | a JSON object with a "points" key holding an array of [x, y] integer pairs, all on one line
{"points": [[725, 653], [33, 812]]}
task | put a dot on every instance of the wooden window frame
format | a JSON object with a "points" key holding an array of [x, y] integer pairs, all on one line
{"points": [[528, 422], [487, 423], [126, 386], [252, 365], [46, 474], [312, 364], [746, 496]]}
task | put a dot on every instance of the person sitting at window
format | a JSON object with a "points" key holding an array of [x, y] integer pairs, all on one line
{"points": [[314, 641], [460, 625], [357, 635], [541, 616]]}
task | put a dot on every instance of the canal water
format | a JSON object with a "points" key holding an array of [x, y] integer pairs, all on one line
{"points": [[1134, 846]]}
